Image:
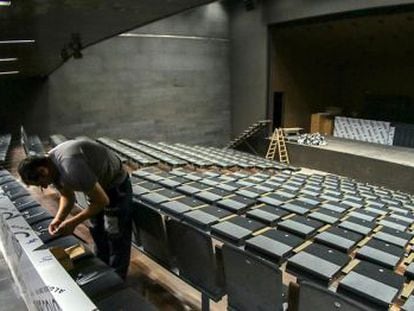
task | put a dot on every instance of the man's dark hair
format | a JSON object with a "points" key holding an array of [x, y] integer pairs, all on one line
{"points": [[28, 168]]}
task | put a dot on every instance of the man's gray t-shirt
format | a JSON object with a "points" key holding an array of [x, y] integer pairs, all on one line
{"points": [[82, 163]]}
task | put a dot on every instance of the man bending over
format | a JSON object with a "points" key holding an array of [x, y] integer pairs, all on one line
{"points": [[88, 167]]}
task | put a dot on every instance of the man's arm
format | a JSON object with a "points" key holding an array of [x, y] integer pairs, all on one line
{"points": [[98, 200], [66, 203]]}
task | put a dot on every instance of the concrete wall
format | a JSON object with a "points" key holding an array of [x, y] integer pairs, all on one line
{"points": [[249, 67], [176, 89], [154, 86]]}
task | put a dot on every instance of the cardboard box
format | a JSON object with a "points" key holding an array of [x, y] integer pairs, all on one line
{"points": [[322, 122], [67, 255], [62, 257]]}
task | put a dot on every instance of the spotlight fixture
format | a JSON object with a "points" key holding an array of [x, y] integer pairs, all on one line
{"points": [[77, 54], [64, 54], [249, 5], [5, 3], [76, 46]]}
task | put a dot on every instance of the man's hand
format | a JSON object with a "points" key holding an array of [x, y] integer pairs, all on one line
{"points": [[66, 202], [65, 228], [99, 200], [54, 225]]}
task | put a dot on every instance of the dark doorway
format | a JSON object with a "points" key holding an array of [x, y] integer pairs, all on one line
{"points": [[277, 109]]}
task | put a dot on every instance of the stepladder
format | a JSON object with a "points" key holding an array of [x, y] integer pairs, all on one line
{"points": [[278, 145]]}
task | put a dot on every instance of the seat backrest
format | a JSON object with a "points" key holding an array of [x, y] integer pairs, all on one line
{"points": [[23, 140], [314, 297], [126, 299], [96, 278], [152, 235], [251, 283], [195, 258]]}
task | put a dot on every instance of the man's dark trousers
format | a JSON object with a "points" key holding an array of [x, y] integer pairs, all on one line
{"points": [[115, 251]]}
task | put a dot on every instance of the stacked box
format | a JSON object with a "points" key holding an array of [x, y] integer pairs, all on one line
{"points": [[371, 131]]}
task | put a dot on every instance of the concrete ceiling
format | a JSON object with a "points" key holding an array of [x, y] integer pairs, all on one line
{"points": [[51, 24]]}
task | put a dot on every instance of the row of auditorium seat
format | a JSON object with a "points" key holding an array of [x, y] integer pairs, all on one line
{"points": [[57, 139], [100, 282], [323, 229], [194, 159], [233, 157], [128, 152], [146, 153], [209, 156], [4, 147], [198, 156], [162, 156], [32, 144]]}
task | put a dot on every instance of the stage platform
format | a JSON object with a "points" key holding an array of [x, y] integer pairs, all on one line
{"points": [[381, 165]]}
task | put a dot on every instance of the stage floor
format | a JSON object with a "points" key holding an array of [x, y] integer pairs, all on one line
{"points": [[394, 154]]}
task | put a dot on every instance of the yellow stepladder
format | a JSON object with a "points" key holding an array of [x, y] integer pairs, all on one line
{"points": [[277, 143]]}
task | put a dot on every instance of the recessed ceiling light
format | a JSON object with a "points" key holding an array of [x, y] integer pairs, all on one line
{"points": [[5, 3], [16, 41], [10, 59], [9, 72]]}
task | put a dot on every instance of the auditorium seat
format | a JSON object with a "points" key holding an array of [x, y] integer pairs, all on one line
{"points": [[236, 229], [125, 299], [96, 278], [340, 239], [274, 245], [317, 263], [368, 282], [315, 297], [195, 259], [152, 235], [252, 284]]}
